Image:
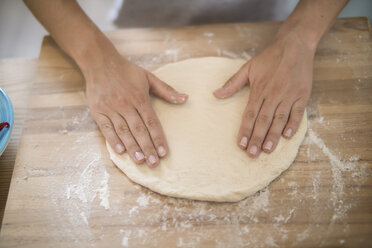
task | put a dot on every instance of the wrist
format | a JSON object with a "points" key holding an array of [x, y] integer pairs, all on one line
{"points": [[297, 37], [93, 52], [299, 34]]}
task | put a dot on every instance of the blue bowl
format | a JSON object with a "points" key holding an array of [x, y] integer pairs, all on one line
{"points": [[6, 114]]}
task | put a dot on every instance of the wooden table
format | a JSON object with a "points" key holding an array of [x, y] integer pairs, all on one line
{"points": [[16, 80], [65, 192]]}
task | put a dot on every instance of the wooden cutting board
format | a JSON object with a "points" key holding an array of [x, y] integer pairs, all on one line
{"points": [[65, 191]]}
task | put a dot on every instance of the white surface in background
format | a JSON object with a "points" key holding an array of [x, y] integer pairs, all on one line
{"points": [[21, 34]]}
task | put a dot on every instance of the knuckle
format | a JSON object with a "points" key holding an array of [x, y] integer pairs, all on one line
{"points": [[140, 98], [273, 136], [228, 83], [105, 125], [298, 111], [250, 114], [149, 149], [168, 88], [304, 89], [132, 147], [152, 123], [123, 130], [281, 117], [122, 99], [263, 119], [98, 105], [246, 131], [158, 140], [124, 102], [140, 129]]}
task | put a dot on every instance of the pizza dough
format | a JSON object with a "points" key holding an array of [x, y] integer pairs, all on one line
{"points": [[204, 162]]}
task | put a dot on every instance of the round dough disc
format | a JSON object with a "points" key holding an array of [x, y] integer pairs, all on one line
{"points": [[204, 162]]}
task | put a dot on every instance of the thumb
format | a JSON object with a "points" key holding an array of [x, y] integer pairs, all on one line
{"points": [[164, 91], [234, 84]]}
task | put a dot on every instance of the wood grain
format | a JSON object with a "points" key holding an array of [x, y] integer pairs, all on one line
{"points": [[63, 176], [16, 80]]}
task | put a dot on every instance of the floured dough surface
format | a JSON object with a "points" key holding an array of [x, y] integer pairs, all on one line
{"points": [[204, 162]]}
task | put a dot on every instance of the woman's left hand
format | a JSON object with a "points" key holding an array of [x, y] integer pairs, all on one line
{"points": [[280, 80]]}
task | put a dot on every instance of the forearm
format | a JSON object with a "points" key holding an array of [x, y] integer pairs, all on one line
{"points": [[311, 19], [72, 29]]}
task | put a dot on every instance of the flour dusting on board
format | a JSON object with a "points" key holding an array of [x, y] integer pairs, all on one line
{"points": [[178, 216], [87, 189], [176, 51], [173, 217], [141, 216], [143, 201]]}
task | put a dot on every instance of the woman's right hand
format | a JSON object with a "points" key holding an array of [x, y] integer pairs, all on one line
{"points": [[118, 97]]}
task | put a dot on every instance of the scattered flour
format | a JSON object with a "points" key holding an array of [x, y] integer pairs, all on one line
{"points": [[302, 236], [337, 166], [87, 189], [133, 210], [218, 52], [125, 242], [84, 217], [246, 55], [260, 202], [316, 180], [270, 242], [173, 53], [143, 201], [104, 192], [281, 219], [230, 54], [208, 34], [126, 237], [177, 216]]}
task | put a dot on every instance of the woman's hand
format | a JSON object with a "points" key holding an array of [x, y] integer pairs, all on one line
{"points": [[280, 80], [118, 96]]}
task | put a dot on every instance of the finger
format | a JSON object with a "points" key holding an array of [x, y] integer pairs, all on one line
{"points": [[153, 125], [142, 136], [108, 131], [124, 133], [261, 127], [280, 120], [164, 91], [295, 118], [234, 84], [248, 119]]}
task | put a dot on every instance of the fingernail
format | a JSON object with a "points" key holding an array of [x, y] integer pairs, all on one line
{"points": [[161, 151], [269, 145], [176, 100], [181, 99], [139, 156], [173, 99], [152, 159], [288, 132], [244, 141], [119, 148], [253, 150], [218, 90]]}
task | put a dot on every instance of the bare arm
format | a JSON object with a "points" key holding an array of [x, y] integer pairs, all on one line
{"points": [[71, 28], [311, 19], [117, 90], [280, 77]]}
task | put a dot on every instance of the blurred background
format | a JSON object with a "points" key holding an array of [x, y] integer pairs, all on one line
{"points": [[21, 34]]}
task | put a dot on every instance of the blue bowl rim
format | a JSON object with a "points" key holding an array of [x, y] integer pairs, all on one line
{"points": [[9, 117]]}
